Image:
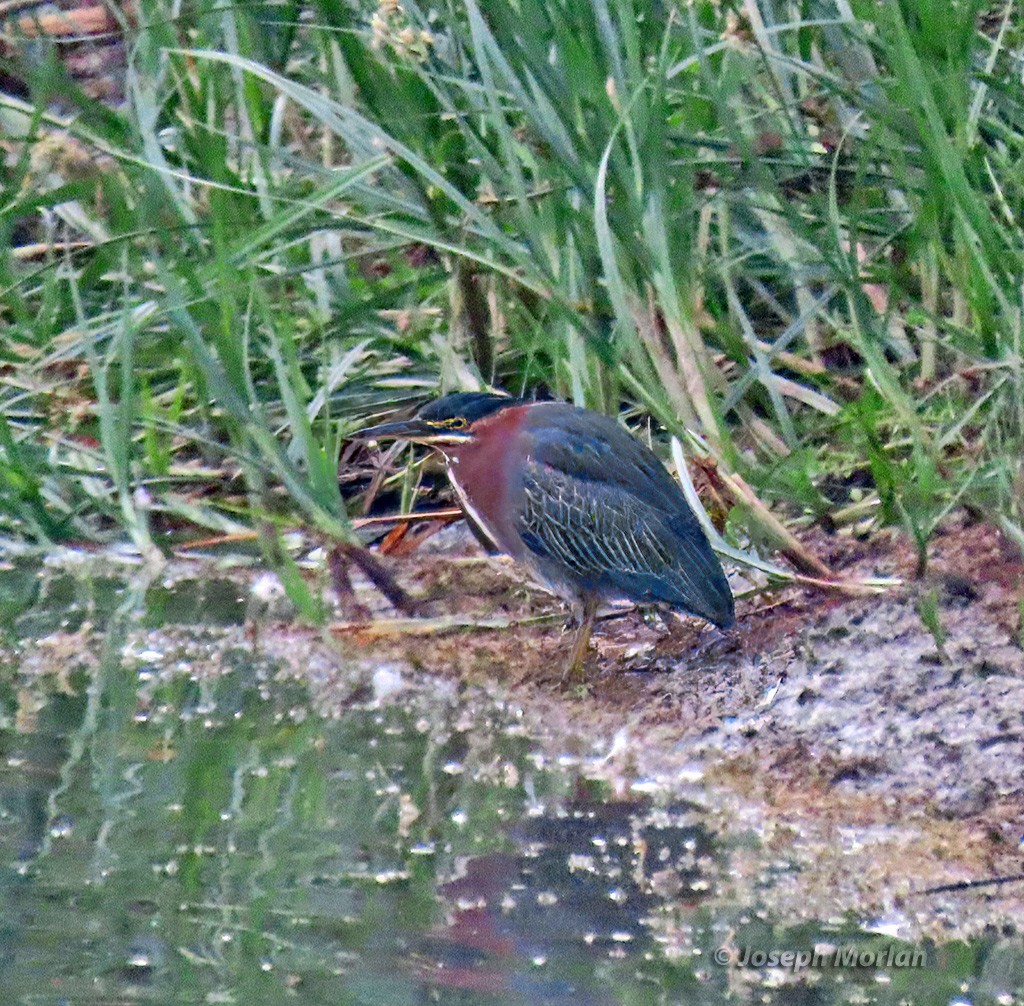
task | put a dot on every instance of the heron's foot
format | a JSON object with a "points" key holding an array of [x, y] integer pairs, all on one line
{"points": [[573, 675]]}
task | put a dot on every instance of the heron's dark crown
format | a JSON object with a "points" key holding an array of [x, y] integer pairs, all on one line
{"points": [[467, 405]]}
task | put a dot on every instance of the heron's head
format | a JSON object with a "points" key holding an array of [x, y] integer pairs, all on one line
{"points": [[446, 421]]}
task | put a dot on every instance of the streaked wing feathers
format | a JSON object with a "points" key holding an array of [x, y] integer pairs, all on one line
{"points": [[617, 543]]}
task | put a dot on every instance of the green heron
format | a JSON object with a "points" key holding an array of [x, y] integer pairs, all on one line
{"points": [[569, 493]]}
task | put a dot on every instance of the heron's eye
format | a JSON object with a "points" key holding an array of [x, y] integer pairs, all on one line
{"points": [[456, 423]]}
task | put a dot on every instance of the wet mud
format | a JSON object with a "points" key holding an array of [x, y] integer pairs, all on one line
{"points": [[878, 757]]}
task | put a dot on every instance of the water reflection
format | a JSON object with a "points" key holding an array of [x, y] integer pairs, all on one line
{"points": [[171, 835], [545, 923]]}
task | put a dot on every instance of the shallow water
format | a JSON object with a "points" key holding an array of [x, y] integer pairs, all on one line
{"points": [[175, 830]]}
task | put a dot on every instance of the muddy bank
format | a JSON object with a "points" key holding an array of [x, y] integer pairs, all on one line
{"points": [[879, 760]]}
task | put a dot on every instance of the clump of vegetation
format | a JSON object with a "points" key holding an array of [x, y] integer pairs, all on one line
{"points": [[788, 232]]}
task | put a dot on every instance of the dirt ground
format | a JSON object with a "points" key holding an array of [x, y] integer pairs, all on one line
{"points": [[877, 762]]}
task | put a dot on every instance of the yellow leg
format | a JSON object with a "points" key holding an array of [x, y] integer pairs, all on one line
{"points": [[574, 671]]}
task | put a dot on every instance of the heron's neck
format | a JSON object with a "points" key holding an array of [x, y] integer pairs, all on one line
{"points": [[485, 475]]}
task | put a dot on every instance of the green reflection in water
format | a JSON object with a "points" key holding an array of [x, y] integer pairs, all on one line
{"points": [[168, 837]]}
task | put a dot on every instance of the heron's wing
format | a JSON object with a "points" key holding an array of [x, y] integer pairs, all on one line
{"points": [[594, 448], [615, 541]]}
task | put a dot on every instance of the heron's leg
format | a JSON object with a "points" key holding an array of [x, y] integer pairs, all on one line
{"points": [[574, 670]]}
